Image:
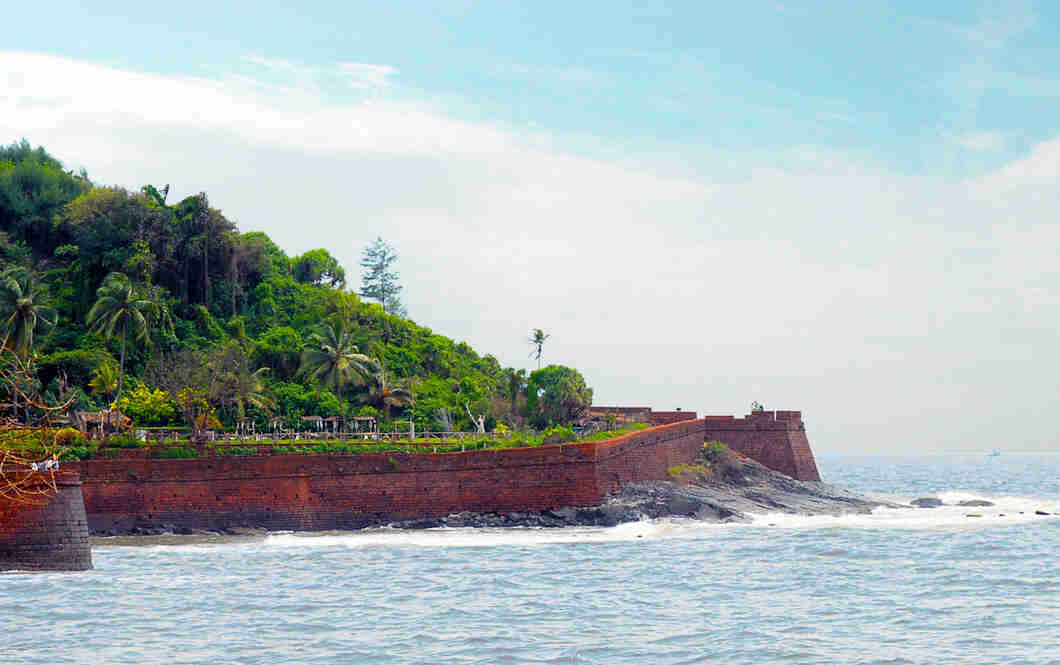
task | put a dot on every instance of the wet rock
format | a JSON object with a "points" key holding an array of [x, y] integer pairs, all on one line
{"points": [[927, 502], [1041, 512], [975, 503], [973, 515], [246, 531]]}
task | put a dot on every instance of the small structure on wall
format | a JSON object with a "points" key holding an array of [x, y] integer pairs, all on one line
{"points": [[101, 422]]}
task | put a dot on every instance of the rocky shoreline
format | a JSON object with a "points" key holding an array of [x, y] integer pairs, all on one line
{"points": [[729, 494]]}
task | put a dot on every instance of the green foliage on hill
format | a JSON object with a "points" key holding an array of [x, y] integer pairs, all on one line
{"points": [[229, 318]]}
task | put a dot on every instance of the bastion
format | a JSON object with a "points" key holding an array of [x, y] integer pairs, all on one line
{"points": [[43, 525]]}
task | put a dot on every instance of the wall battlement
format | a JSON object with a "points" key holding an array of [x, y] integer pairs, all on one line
{"points": [[774, 439], [641, 414]]}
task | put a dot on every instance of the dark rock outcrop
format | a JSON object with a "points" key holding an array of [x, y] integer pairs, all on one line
{"points": [[743, 486], [927, 502], [975, 503]]}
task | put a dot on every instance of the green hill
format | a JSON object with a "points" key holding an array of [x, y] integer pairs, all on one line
{"points": [[233, 324]]}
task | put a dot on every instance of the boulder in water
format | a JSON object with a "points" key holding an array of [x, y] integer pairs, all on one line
{"points": [[927, 502], [1040, 512], [975, 503]]}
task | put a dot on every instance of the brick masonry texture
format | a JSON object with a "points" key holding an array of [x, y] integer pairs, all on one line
{"points": [[774, 439], [49, 533], [314, 492]]}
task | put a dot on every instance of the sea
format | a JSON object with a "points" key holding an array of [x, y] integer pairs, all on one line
{"points": [[954, 584]]}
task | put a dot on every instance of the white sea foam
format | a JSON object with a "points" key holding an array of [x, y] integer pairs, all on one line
{"points": [[1005, 511], [480, 537]]}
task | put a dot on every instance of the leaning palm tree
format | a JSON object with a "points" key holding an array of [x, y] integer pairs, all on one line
{"points": [[383, 393], [24, 316], [537, 339], [119, 309], [334, 360]]}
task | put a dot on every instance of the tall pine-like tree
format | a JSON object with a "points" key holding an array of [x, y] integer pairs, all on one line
{"points": [[378, 282]]}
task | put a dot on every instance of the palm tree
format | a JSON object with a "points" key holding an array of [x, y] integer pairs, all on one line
{"points": [[119, 307], [333, 359], [105, 380], [242, 386], [382, 393], [23, 314], [537, 338]]}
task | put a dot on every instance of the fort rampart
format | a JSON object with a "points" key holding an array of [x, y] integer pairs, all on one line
{"points": [[344, 491], [310, 492], [774, 439], [42, 522]]}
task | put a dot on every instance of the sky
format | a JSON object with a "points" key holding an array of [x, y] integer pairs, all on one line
{"points": [[847, 209]]}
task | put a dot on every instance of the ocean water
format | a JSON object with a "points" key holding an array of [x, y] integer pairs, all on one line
{"points": [[945, 585]]}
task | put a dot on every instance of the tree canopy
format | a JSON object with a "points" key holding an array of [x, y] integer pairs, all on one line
{"points": [[166, 306]]}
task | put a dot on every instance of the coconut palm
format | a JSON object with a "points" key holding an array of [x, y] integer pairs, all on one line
{"points": [[334, 360], [241, 386], [24, 316], [383, 393], [537, 339], [119, 309], [105, 380]]}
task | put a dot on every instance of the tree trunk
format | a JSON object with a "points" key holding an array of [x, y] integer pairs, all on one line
{"points": [[342, 411], [121, 369]]}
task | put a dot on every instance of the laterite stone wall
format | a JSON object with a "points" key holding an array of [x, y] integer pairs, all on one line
{"points": [[774, 439], [47, 531], [312, 492]]}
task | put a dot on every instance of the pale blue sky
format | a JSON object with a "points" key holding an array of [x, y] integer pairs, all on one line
{"points": [[847, 208], [904, 83]]}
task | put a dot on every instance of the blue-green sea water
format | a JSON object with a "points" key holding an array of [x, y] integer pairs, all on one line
{"points": [[898, 586]]}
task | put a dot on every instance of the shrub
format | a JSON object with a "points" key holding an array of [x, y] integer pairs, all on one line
{"points": [[680, 470], [81, 452], [68, 436], [557, 434], [124, 441], [715, 451], [175, 452], [236, 450]]}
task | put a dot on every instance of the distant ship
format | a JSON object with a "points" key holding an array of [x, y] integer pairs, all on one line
{"points": [[996, 453]]}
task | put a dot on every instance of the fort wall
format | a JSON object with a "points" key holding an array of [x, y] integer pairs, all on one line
{"points": [[774, 439], [313, 492], [43, 526], [335, 491]]}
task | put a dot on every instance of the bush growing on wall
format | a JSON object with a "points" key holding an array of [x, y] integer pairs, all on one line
{"points": [[557, 434]]}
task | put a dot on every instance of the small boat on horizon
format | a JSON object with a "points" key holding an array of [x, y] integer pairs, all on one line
{"points": [[995, 453]]}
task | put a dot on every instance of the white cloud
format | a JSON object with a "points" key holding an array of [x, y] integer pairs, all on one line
{"points": [[981, 141], [809, 280]]}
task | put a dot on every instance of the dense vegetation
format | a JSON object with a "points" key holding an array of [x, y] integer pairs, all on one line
{"points": [[105, 291]]}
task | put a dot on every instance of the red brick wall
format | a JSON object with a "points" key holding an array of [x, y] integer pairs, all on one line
{"points": [[667, 417], [350, 491], [47, 531], [776, 440]]}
